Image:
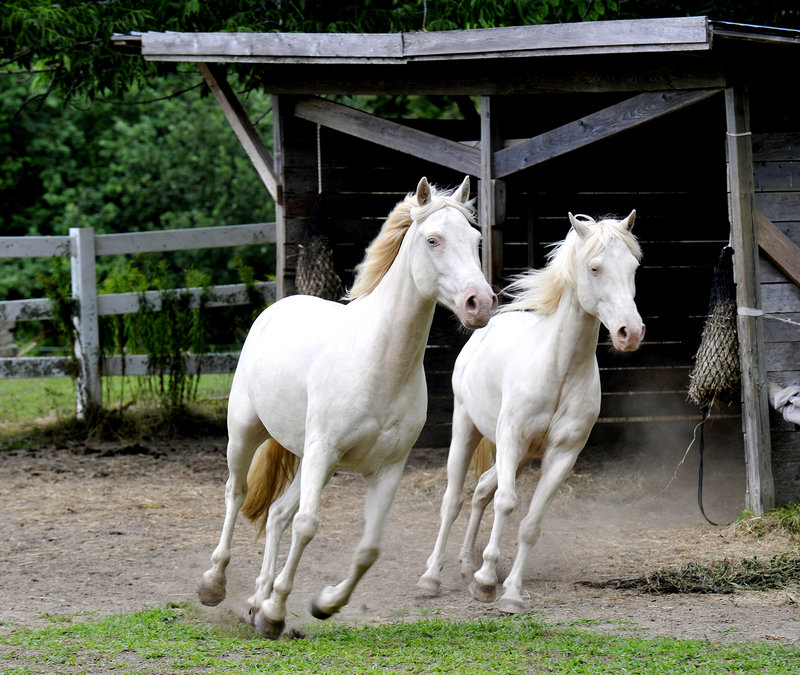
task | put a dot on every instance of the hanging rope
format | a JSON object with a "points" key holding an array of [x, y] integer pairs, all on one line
{"points": [[716, 376]]}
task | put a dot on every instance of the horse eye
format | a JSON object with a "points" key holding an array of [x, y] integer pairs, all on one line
{"points": [[594, 270], [433, 241]]}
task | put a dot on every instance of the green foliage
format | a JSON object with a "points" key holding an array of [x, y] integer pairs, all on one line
{"points": [[168, 164], [68, 43], [175, 638], [167, 331]]}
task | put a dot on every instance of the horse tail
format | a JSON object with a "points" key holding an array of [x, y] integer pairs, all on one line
{"points": [[483, 457], [272, 469]]}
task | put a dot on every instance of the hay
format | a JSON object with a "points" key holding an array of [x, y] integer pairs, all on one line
{"points": [[726, 576], [716, 375], [316, 274]]}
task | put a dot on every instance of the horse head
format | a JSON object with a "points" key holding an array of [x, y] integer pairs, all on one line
{"points": [[605, 277], [445, 263]]}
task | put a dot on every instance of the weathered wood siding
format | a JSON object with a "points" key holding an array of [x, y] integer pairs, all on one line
{"points": [[777, 180], [676, 182]]}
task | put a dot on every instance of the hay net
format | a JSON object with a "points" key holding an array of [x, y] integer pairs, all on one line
{"points": [[716, 375], [316, 273]]}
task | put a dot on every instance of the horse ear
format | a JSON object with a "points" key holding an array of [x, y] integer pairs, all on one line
{"points": [[579, 227], [628, 222], [423, 192], [462, 193]]}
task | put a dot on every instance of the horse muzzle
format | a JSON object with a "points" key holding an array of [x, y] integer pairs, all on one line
{"points": [[476, 306], [627, 337]]}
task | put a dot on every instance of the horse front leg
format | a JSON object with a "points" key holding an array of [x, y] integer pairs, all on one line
{"points": [[280, 514], [462, 447], [557, 462], [483, 494], [316, 469], [510, 450], [381, 488], [242, 446]]}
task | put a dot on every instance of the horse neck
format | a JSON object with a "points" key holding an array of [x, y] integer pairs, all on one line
{"points": [[400, 318], [577, 329]]}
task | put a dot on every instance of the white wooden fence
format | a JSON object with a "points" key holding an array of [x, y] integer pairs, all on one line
{"points": [[83, 247]]}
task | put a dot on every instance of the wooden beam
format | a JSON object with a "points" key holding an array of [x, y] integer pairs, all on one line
{"points": [[592, 128], [591, 37], [389, 134], [491, 195], [778, 248], [755, 407], [685, 34], [242, 127]]}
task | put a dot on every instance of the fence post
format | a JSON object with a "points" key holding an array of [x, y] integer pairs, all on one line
{"points": [[87, 327]]}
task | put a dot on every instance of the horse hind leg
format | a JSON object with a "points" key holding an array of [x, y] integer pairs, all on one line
{"points": [[462, 447], [280, 514], [381, 488], [242, 446]]}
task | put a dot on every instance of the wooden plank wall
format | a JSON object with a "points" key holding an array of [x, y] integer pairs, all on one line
{"points": [[776, 158], [672, 171]]}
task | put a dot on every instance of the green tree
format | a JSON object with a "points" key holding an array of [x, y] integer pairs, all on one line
{"points": [[67, 43]]}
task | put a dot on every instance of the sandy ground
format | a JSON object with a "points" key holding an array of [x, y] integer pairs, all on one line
{"points": [[108, 528]]}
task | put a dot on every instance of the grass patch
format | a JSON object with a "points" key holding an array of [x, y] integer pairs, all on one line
{"points": [[784, 520], [42, 411], [726, 576], [176, 639]]}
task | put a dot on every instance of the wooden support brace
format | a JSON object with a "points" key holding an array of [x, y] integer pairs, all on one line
{"points": [[605, 123], [429, 147], [242, 127], [778, 248]]}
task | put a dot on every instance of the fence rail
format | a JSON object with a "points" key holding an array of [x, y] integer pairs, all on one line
{"points": [[83, 247]]}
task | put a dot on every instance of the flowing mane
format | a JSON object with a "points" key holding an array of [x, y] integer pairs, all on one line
{"points": [[540, 290], [383, 250]]}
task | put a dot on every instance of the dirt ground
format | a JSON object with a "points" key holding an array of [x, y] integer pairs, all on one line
{"points": [[108, 528]]}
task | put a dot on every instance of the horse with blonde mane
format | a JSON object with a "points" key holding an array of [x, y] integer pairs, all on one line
{"points": [[321, 385], [528, 385]]}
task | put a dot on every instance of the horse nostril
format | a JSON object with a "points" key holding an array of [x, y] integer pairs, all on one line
{"points": [[494, 302], [623, 333], [471, 304]]}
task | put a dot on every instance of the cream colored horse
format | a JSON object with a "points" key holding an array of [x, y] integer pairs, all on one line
{"points": [[530, 384], [343, 386]]}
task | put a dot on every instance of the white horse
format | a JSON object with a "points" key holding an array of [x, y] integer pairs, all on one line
{"points": [[529, 383], [326, 385]]}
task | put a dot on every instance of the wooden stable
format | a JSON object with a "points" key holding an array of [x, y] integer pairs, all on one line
{"points": [[686, 120]]}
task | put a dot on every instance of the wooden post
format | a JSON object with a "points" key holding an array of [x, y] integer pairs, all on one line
{"points": [[491, 195], [281, 107], [87, 344], [755, 411]]}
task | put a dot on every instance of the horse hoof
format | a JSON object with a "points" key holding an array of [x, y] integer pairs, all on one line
{"points": [[318, 613], [509, 606], [481, 592], [209, 595], [267, 627], [429, 585]]}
